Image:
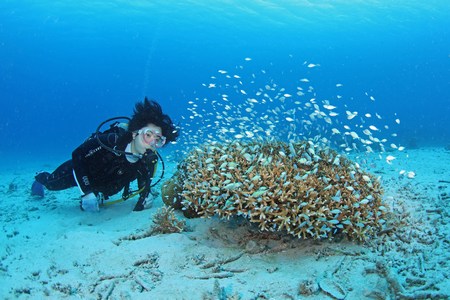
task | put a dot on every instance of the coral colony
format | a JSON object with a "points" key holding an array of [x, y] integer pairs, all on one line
{"points": [[300, 188], [266, 154]]}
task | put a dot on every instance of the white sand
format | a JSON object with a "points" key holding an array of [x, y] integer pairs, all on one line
{"points": [[52, 249]]}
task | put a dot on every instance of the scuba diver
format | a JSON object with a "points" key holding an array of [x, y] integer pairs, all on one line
{"points": [[109, 161]]}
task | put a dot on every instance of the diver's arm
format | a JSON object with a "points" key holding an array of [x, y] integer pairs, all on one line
{"points": [[80, 169], [142, 195], [87, 153], [144, 178]]}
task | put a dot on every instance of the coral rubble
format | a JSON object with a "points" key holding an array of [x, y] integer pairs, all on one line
{"points": [[306, 189]]}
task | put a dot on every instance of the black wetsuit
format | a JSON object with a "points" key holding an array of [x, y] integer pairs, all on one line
{"points": [[99, 170]]}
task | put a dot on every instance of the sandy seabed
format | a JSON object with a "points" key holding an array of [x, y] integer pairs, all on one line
{"points": [[52, 249]]}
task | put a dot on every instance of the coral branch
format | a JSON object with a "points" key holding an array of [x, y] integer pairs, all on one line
{"points": [[213, 275], [142, 283]]}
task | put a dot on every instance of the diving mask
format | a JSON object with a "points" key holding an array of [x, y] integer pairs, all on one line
{"points": [[153, 138]]}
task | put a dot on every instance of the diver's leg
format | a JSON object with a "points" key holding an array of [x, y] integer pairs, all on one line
{"points": [[61, 179]]}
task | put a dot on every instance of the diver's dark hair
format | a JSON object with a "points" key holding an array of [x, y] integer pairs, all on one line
{"points": [[149, 111]]}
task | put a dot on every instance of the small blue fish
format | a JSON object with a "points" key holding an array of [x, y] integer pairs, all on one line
{"points": [[37, 189], [337, 196]]}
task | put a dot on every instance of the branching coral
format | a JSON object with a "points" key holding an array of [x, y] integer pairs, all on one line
{"points": [[165, 221], [302, 188]]}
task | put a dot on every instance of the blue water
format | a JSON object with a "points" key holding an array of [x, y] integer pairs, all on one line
{"points": [[67, 65]]}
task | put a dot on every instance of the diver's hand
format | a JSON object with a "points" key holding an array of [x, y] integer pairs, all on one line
{"points": [[89, 202], [148, 202], [144, 203]]}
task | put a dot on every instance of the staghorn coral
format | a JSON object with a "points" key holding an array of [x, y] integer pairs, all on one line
{"points": [[165, 222], [305, 189]]}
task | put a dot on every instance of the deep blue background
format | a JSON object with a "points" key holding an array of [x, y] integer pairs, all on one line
{"points": [[67, 65]]}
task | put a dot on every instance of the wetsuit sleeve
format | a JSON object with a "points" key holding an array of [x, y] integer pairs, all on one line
{"points": [[87, 153], [144, 178]]}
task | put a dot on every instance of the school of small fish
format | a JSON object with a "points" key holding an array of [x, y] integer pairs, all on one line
{"points": [[244, 105]]}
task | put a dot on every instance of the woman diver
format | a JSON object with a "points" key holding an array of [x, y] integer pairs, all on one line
{"points": [[108, 162]]}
